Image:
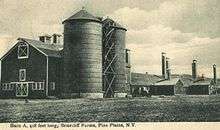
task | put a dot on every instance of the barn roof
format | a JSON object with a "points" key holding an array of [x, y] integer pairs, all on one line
{"points": [[172, 81], [143, 79], [50, 50], [205, 81], [82, 14]]}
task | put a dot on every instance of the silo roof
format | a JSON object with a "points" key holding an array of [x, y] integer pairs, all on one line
{"points": [[117, 25], [83, 15]]}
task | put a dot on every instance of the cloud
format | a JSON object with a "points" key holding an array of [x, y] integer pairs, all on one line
{"points": [[187, 16], [147, 45], [6, 42], [176, 27], [158, 34]]}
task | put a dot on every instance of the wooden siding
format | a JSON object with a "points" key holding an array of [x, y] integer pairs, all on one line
{"points": [[55, 72], [35, 66], [163, 90], [198, 90]]}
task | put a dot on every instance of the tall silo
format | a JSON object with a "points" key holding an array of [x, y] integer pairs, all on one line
{"points": [[114, 65], [82, 56]]}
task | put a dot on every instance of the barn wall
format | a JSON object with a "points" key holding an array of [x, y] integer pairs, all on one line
{"points": [[55, 72], [163, 90], [35, 66], [198, 90]]}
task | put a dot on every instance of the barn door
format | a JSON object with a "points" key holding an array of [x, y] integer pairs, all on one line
{"points": [[22, 89]]}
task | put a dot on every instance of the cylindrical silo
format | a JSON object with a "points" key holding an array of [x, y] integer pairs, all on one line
{"points": [[117, 39], [82, 55]]}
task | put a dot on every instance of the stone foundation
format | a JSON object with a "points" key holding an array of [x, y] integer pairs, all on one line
{"points": [[120, 95], [91, 95], [69, 95]]}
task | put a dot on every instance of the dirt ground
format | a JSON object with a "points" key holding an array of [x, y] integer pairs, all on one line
{"points": [[154, 109]]}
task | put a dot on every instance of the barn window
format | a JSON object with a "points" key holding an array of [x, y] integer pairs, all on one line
{"points": [[3, 86], [22, 74], [7, 87], [41, 86], [33, 86], [23, 51], [52, 85], [38, 86], [11, 86]]}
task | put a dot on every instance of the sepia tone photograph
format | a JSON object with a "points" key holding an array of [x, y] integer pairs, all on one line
{"points": [[109, 61]]}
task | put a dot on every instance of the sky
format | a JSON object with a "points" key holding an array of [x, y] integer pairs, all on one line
{"points": [[184, 29]]}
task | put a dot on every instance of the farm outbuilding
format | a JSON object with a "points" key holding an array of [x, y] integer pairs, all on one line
{"points": [[202, 86], [31, 69], [168, 87], [141, 84]]}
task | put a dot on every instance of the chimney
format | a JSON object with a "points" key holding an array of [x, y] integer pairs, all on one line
{"points": [[194, 69], [214, 74], [56, 38], [168, 71], [163, 56], [45, 38]]}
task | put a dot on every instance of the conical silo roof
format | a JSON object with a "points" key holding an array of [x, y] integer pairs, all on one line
{"points": [[82, 15], [117, 25]]}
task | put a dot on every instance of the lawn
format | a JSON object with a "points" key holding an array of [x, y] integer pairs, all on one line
{"points": [[154, 109]]}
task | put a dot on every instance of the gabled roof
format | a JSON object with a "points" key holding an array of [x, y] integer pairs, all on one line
{"points": [[172, 81], [143, 79], [49, 49], [205, 81], [82, 15]]}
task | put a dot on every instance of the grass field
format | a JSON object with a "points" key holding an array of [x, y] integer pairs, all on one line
{"points": [[154, 109]]}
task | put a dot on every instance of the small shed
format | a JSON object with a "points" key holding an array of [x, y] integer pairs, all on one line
{"points": [[168, 87], [203, 86], [141, 83]]}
